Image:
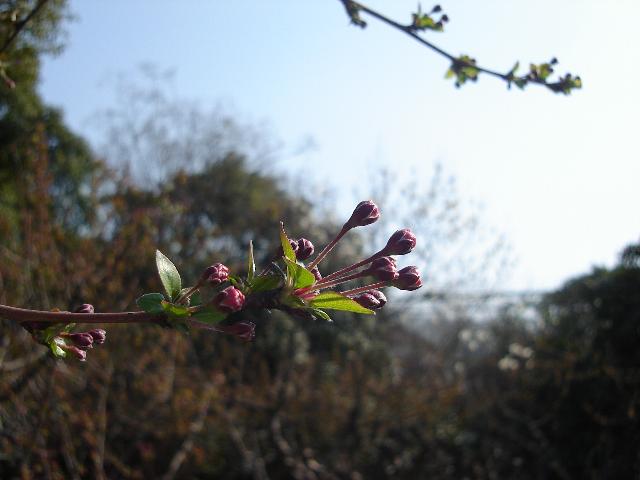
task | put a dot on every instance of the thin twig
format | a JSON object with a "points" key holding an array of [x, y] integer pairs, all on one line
{"points": [[352, 7], [24, 315], [21, 24]]}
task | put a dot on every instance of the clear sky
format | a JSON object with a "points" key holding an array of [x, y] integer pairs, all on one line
{"points": [[558, 175]]}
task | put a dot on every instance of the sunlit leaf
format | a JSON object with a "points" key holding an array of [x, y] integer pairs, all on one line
{"points": [[301, 277], [251, 264], [336, 301], [169, 275], [286, 246]]}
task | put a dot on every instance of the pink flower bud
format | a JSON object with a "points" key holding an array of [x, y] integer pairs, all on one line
{"points": [[408, 279], [79, 354], [215, 274], [81, 340], [85, 308], [245, 331], [229, 300], [98, 335], [383, 269], [316, 273], [305, 249], [372, 299], [401, 242], [365, 213]]}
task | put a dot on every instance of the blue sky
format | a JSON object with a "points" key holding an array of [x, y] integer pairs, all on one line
{"points": [[558, 175]]}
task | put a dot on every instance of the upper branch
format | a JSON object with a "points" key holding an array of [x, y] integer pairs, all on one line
{"points": [[24, 315], [464, 67]]}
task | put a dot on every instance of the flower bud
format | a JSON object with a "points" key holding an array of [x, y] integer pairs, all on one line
{"points": [[365, 213], [305, 249], [316, 273], [82, 340], [372, 299], [85, 308], [79, 354], [245, 331], [215, 274], [383, 269], [98, 335], [229, 300], [401, 242], [408, 279]]}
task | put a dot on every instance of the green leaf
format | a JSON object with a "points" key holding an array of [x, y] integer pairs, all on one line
{"points": [[57, 351], [336, 301], [251, 263], [300, 276], [286, 246], [196, 299], [209, 315], [151, 302], [175, 311], [169, 275], [321, 314], [266, 282]]}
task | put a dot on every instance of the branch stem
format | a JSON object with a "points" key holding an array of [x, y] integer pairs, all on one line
{"points": [[24, 315], [21, 24]]}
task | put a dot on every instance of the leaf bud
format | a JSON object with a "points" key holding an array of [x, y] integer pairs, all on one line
{"points": [[400, 243], [372, 299], [365, 213], [229, 300], [408, 279], [304, 249], [215, 274]]}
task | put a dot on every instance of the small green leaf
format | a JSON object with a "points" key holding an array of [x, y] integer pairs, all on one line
{"points": [[57, 351], [151, 302], [196, 299], [321, 314], [251, 263], [266, 282], [209, 315], [286, 246], [169, 275], [336, 301], [175, 311], [301, 277]]}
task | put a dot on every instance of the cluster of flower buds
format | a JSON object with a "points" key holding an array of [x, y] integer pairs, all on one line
{"points": [[77, 343], [291, 283], [381, 265]]}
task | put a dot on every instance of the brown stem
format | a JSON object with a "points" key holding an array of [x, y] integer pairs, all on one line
{"points": [[21, 24], [24, 315], [352, 5]]}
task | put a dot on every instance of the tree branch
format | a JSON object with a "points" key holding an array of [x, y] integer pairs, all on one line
{"points": [[24, 315], [464, 67], [21, 24]]}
